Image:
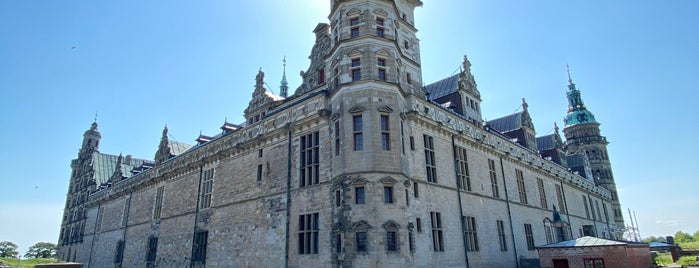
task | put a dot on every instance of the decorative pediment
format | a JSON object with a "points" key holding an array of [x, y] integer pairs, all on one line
{"points": [[381, 12], [385, 109], [354, 13], [334, 116], [383, 53], [260, 97], [391, 225], [354, 53], [388, 180], [356, 109], [361, 226], [359, 182]]}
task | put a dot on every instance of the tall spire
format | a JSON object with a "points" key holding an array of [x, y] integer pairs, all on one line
{"points": [[577, 112], [284, 87]]}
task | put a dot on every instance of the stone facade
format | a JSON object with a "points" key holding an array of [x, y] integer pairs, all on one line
{"points": [[358, 168]]}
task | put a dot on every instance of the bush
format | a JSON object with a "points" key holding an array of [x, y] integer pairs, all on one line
{"points": [[687, 261], [689, 245], [662, 258]]}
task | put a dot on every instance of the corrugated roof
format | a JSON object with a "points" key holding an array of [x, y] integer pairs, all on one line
{"points": [[585, 241], [507, 123], [443, 87], [547, 142]]}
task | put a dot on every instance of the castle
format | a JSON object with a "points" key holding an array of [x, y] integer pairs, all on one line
{"points": [[362, 166]]}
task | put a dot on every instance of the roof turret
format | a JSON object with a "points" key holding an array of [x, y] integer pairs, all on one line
{"points": [[577, 112]]}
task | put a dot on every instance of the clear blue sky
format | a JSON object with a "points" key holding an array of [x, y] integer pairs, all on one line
{"points": [[191, 65]]}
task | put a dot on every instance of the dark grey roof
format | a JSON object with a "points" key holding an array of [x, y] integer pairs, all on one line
{"points": [[547, 142], [507, 123], [443, 87], [576, 160], [585, 241]]}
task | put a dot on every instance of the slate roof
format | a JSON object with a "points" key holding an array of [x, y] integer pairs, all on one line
{"points": [[585, 241], [177, 147], [576, 160], [105, 164], [442, 87], [547, 142], [507, 123]]}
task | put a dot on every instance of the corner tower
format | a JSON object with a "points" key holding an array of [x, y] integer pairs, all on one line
{"points": [[583, 136]]}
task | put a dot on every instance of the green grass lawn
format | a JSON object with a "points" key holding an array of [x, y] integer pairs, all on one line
{"points": [[25, 262]]}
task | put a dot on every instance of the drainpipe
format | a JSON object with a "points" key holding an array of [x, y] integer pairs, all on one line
{"points": [[94, 236], [288, 197], [509, 212], [458, 194], [196, 210]]}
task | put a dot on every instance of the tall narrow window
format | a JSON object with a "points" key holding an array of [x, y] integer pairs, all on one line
{"points": [[337, 77], [411, 241], [559, 196], [412, 143], [430, 165], [521, 187], [259, 172], [125, 214], [207, 188], [418, 225], [462, 172], [385, 133], [338, 198], [471, 234], [354, 27], [402, 137], [599, 214], [407, 200], [408, 78], [587, 210], [542, 193], [437, 236], [388, 194], [501, 235], [529, 235], [98, 222], [308, 233], [357, 129], [379, 27], [416, 192], [592, 209], [310, 162], [321, 76], [152, 251], [119, 254], [359, 195], [337, 137], [158, 207], [338, 243], [381, 69], [391, 241], [356, 69], [493, 178], [361, 240], [201, 239]]}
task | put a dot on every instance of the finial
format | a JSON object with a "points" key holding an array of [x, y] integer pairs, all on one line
{"points": [[524, 104], [555, 127], [570, 80], [96, 116]]}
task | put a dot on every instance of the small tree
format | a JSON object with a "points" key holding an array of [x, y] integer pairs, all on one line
{"points": [[696, 235], [42, 250], [682, 237], [8, 249]]}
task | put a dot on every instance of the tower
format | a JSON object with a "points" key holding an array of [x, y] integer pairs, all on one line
{"points": [[583, 136]]}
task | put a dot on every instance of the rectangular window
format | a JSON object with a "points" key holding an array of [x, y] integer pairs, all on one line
{"points": [[412, 143], [501, 236], [357, 129], [408, 78], [549, 234], [529, 235], [308, 233], [259, 172], [337, 137], [310, 162], [201, 239], [119, 254], [158, 207], [559, 196], [592, 209], [98, 222], [385, 133], [542, 193], [416, 192], [337, 76], [382, 74], [321, 76], [388, 194], [391, 241], [587, 210], [379, 31], [207, 188], [411, 241], [356, 74], [418, 225], [599, 214], [437, 236], [354, 22], [521, 187], [152, 251], [462, 172], [471, 234], [338, 198], [338, 243], [402, 137], [362, 242], [356, 62], [594, 263], [381, 62], [430, 165], [259, 153], [407, 200], [379, 21], [359, 195], [493, 178]]}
